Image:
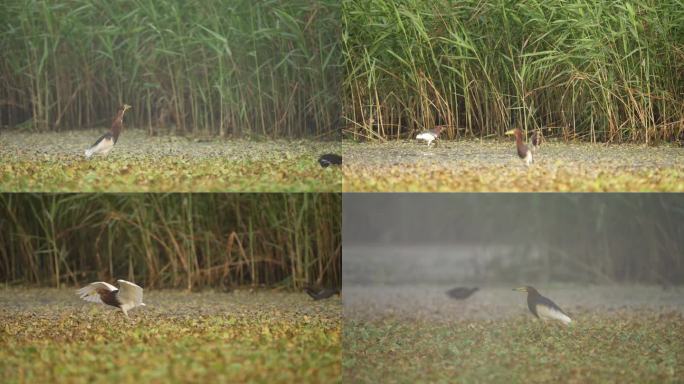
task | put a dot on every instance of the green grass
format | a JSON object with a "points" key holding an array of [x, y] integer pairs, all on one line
{"points": [[52, 336], [493, 166], [54, 162], [617, 347]]}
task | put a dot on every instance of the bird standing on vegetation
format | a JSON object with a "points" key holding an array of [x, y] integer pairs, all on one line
{"points": [[126, 297], [319, 294], [523, 152], [106, 142], [329, 159], [430, 135], [461, 293], [542, 307]]}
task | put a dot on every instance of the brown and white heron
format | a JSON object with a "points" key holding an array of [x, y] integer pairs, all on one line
{"points": [[106, 142], [126, 297], [430, 135], [523, 151], [543, 308]]}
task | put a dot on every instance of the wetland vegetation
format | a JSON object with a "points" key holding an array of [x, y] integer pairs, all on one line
{"points": [[50, 335], [256, 83], [406, 334], [494, 166], [54, 162], [593, 71], [612, 262], [222, 276], [580, 72]]}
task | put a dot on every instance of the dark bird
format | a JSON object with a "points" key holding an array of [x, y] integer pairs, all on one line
{"points": [[461, 293], [329, 159], [126, 297], [106, 142], [319, 294], [523, 152], [430, 135], [542, 307]]}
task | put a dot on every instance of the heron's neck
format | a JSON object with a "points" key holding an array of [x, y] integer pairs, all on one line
{"points": [[518, 139], [117, 124]]}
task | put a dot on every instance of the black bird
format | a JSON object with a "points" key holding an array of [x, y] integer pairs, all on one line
{"points": [[542, 307], [461, 293], [523, 152], [319, 294], [329, 159], [106, 142]]}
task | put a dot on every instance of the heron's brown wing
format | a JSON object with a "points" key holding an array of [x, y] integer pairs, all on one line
{"points": [[92, 291]]}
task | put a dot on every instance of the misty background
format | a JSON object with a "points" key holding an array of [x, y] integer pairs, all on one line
{"points": [[513, 238]]}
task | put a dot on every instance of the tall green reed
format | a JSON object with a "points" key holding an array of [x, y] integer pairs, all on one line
{"points": [[173, 240], [600, 71], [221, 67]]}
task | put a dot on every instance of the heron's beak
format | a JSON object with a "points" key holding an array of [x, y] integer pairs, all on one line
{"points": [[508, 133], [521, 289]]}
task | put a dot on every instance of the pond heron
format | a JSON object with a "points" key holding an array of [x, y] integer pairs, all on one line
{"points": [[126, 297], [523, 152], [543, 308], [106, 142], [430, 135]]}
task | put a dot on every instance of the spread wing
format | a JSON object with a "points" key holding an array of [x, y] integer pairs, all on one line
{"points": [[91, 291], [130, 293]]}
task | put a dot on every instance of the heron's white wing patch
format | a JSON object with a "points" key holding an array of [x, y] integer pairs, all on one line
{"points": [[89, 292], [129, 294], [427, 136], [102, 147], [547, 313]]}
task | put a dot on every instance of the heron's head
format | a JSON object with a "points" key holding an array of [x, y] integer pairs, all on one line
{"points": [[526, 288], [125, 107], [516, 132]]}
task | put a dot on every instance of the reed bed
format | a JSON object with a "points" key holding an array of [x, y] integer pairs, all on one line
{"points": [[189, 241], [581, 70], [268, 68]]}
